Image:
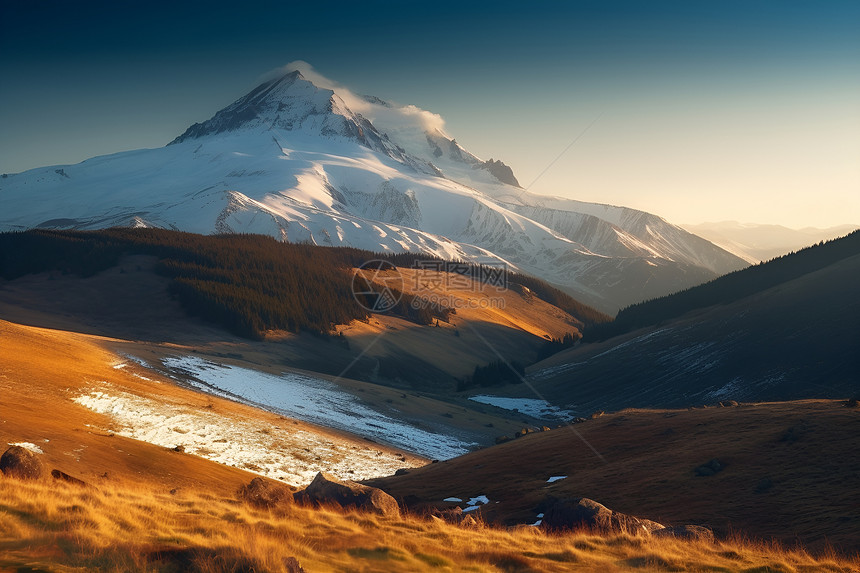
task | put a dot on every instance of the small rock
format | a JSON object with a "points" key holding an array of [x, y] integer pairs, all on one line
{"points": [[401, 472], [291, 564], [523, 432], [21, 463], [62, 476], [502, 439], [450, 515], [179, 448], [712, 467], [597, 414], [763, 485]]}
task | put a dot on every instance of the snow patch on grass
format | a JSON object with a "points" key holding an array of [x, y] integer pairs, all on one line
{"points": [[480, 500], [28, 446], [476, 502], [281, 451], [528, 406], [316, 401]]}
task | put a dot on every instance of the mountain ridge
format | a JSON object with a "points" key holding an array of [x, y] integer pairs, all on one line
{"points": [[759, 242], [782, 330]]}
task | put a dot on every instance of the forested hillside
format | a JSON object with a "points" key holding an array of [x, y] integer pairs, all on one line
{"points": [[729, 288], [248, 284]]}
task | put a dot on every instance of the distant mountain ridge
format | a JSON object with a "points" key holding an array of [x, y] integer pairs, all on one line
{"points": [[755, 243], [305, 163], [734, 286], [787, 329]]}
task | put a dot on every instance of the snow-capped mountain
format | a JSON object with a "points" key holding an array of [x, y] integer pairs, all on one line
{"points": [[307, 163]]}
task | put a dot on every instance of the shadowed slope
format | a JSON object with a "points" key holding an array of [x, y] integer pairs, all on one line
{"points": [[789, 471]]}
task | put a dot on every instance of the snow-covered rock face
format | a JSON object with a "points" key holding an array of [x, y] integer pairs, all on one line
{"points": [[292, 160], [292, 103]]}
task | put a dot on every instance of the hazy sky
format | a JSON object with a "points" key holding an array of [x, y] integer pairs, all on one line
{"points": [[744, 110]]}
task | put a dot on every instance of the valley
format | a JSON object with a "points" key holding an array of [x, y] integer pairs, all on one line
{"points": [[147, 504], [315, 332]]}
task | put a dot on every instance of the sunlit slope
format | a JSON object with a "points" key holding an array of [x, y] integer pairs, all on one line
{"points": [[488, 323], [52, 381]]}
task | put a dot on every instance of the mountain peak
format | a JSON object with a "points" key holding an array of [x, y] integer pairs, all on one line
{"points": [[286, 101], [292, 103]]}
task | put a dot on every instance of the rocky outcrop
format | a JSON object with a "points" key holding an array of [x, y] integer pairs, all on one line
{"points": [[265, 493], [501, 172], [21, 463], [692, 532], [326, 489], [588, 514]]}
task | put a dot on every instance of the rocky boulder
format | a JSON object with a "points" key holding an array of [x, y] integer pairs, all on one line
{"points": [[328, 489], [265, 493], [21, 463], [587, 513], [693, 532]]}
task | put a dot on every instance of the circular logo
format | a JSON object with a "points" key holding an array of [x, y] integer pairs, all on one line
{"points": [[377, 286]]}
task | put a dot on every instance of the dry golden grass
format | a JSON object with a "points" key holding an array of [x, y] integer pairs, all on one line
{"points": [[127, 527]]}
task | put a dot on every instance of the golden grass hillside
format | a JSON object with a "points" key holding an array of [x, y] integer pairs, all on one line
{"points": [[487, 322], [43, 371], [50, 527]]}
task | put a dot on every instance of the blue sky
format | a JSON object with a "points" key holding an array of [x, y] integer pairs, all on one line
{"points": [[707, 110]]}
